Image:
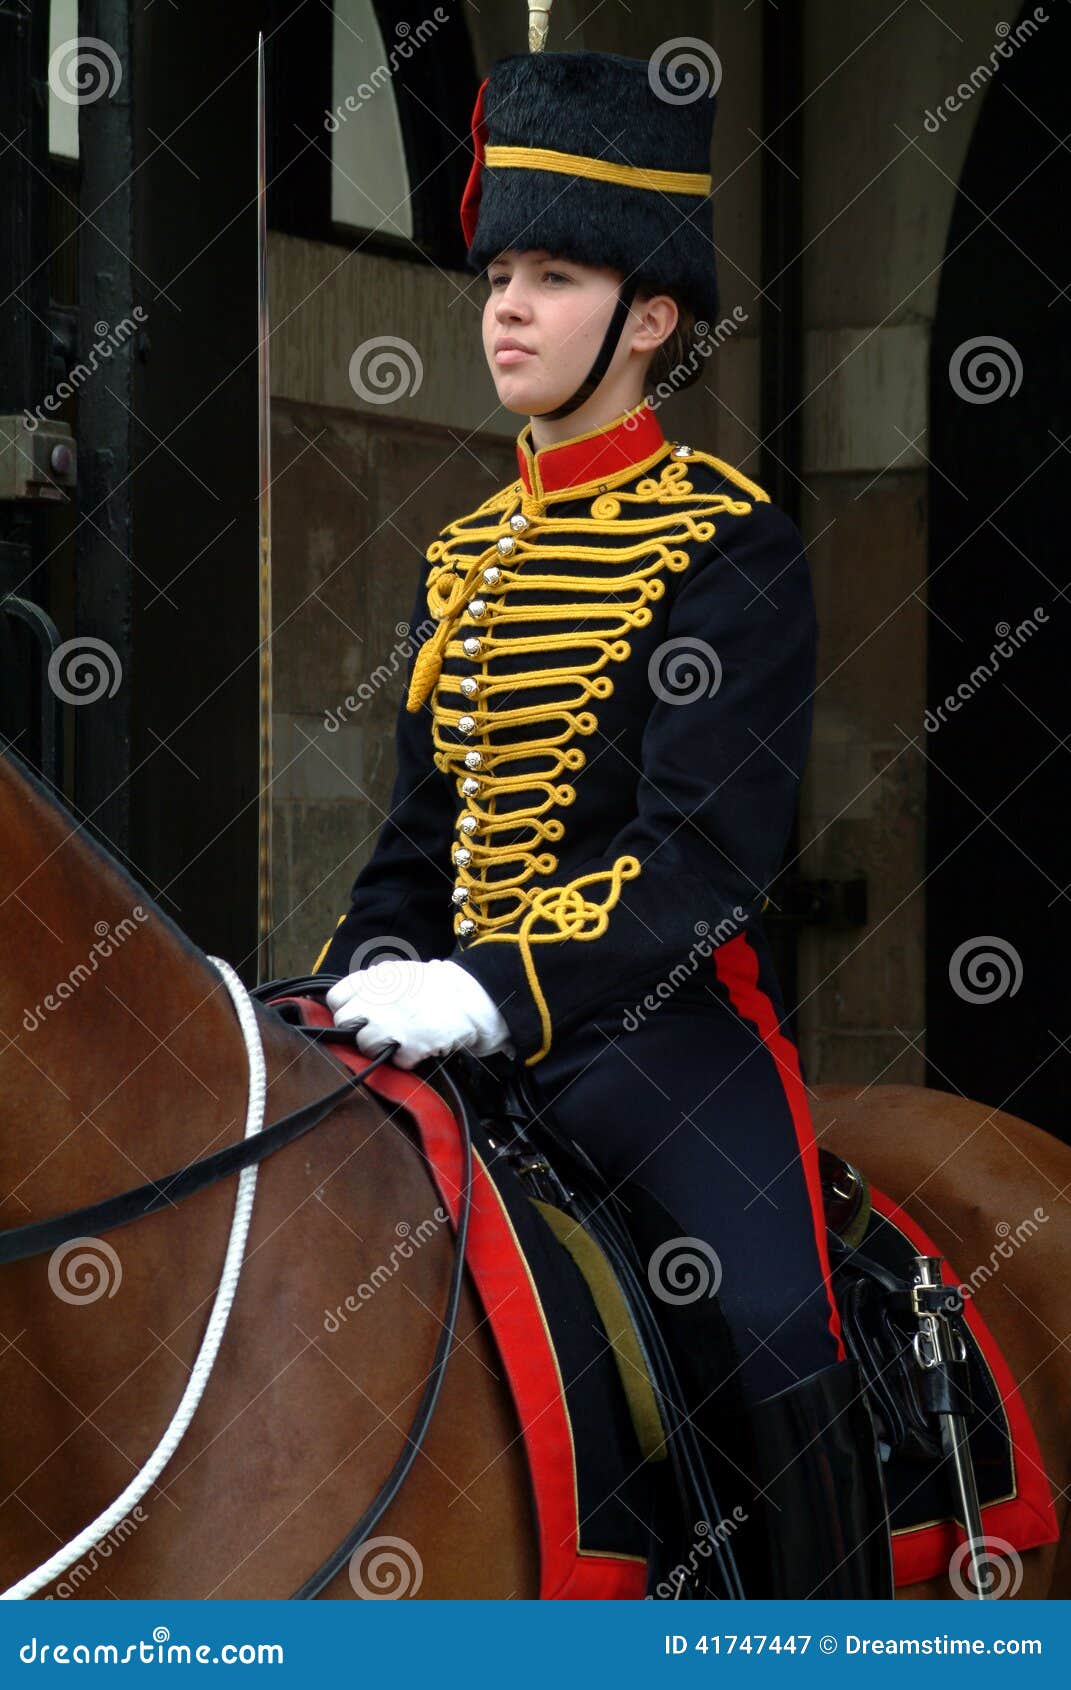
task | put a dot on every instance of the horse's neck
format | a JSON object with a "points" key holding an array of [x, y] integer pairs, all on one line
{"points": [[119, 1057]]}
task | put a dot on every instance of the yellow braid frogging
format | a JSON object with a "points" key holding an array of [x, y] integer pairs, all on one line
{"points": [[480, 593]]}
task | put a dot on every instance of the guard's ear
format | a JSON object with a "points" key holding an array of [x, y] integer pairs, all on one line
{"points": [[666, 311]]}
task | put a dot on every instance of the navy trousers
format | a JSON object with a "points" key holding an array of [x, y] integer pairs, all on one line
{"points": [[697, 1093]]}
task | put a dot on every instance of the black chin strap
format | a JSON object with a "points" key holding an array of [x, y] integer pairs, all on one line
{"points": [[610, 340]]}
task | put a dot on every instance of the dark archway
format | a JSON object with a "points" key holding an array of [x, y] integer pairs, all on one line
{"points": [[999, 767]]}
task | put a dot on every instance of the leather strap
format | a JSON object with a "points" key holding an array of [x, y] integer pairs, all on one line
{"points": [[614, 331], [19, 1242]]}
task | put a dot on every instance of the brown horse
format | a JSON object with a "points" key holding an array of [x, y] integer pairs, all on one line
{"points": [[121, 1059]]}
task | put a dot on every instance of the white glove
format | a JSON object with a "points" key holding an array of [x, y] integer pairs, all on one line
{"points": [[431, 1008]]}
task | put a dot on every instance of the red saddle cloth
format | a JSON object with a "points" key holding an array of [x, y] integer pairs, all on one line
{"points": [[522, 1331]]}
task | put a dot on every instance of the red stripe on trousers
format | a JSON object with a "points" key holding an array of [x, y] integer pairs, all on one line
{"points": [[737, 966]]}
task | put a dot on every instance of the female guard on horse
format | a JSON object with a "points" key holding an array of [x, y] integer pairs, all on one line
{"points": [[598, 763]]}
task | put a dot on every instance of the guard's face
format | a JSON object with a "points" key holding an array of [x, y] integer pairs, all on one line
{"points": [[557, 312]]}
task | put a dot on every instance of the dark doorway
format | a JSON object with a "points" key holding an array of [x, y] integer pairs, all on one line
{"points": [[996, 739]]}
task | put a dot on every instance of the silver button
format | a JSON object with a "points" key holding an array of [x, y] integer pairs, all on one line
{"points": [[682, 451], [462, 855], [465, 724], [459, 896], [507, 544], [473, 759], [493, 575], [469, 786], [477, 608], [466, 927], [468, 824], [518, 523], [468, 685], [471, 646]]}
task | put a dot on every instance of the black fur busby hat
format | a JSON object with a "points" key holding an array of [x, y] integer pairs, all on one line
{"points": [[600, 159]]}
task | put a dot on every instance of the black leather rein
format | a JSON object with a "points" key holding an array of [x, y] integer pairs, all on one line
{"points": [[21, 1242]]}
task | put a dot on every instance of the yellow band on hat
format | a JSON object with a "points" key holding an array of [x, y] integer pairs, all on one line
{"points": [[599, 169]]}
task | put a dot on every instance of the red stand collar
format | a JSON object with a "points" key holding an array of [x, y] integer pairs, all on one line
{"points": [[595, 456]]}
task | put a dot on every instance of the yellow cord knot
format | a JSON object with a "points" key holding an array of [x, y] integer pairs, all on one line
{"points": [[571, 915], [428, 666], [447, 596]]}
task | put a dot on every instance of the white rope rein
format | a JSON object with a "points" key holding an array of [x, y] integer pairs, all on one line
{"points": [[64, 1558]]}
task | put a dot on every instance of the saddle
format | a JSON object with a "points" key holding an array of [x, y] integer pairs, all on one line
{"points": [[874, 1249]]}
